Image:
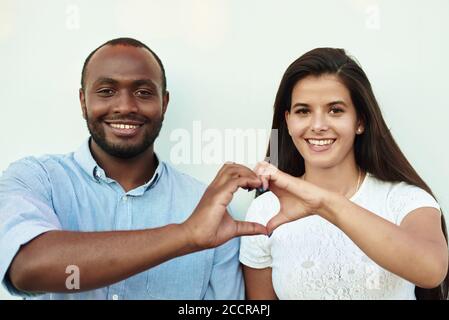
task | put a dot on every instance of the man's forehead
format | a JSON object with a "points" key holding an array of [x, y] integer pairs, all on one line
{"points": [[123, 61]]}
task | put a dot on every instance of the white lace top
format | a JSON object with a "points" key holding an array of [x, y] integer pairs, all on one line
{"points": [[312, 259]]}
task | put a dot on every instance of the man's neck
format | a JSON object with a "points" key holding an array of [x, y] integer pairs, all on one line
{"points": [[129, 173]]}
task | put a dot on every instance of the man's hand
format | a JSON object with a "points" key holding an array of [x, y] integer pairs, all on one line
{"points": [[210, 224]]}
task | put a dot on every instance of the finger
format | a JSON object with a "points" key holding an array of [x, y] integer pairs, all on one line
{"points": [[265, 183], [246, 228], [235, 171], [242, 182], [225, 192], [261, 167], [276, 177], [223, 168], [265, 171], [275, 222]]}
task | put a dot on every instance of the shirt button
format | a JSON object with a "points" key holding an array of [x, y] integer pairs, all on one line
{"points": [[125, 197], [114, 297]]}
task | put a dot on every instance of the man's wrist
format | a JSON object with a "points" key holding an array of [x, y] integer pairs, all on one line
{"points": [[187, 238]]}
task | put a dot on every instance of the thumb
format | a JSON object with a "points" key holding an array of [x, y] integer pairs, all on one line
{"points": [[246, 228], [275, 222]]}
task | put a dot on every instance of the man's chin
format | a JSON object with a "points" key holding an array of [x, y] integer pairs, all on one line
{"points": [[127, 151], [122, 150]]}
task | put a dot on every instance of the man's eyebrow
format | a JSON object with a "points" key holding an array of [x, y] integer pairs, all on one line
{"points": [[103, 80], [135, 83], [145, 82]]}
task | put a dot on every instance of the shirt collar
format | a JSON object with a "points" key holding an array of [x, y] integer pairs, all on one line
{"points": [[84, 158]]}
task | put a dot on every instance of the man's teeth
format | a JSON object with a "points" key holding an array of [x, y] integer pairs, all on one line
{"points": [[123, 126], [320, 142]]}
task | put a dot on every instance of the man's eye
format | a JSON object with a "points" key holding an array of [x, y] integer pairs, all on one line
{"points": [[143, 93], [105, 92]]}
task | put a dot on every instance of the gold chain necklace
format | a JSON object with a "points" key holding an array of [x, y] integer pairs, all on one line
{"points": [[358, 180]]}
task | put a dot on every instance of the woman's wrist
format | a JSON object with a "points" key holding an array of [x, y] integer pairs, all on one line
{"points": [[332, 205]]}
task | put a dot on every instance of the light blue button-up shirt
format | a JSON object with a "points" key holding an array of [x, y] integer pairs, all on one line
{"points": [[71, 192]]}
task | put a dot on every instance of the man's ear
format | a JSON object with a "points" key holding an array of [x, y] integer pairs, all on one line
{"points": [[83, 103], [165, 100]]}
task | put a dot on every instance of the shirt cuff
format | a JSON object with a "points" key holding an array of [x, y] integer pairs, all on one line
{"points": [[9, 247]]}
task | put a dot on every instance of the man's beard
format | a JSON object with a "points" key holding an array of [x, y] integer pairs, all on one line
{"points": [[123, 150]]}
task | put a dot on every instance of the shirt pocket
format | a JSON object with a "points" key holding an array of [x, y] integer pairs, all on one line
{"points": [[181, 278]]}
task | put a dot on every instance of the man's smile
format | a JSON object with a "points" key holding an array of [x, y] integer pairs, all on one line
{"points": [[124, 128]]}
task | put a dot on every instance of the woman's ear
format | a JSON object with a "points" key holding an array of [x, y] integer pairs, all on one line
{"points": [[287, 116], [360, 128]]}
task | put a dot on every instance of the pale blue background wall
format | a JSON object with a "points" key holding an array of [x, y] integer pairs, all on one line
{"points": [[224, 61]]}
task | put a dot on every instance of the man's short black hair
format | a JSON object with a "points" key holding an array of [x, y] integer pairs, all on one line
{"points": [[125, 42]]}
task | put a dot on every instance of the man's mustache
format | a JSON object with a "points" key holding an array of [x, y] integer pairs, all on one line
{"points": [[127, 118]]}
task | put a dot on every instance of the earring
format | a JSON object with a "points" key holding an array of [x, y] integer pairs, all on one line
{"points": [[359, 130]]}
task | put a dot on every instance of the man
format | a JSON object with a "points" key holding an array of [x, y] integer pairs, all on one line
{"points": [[129, 225]]}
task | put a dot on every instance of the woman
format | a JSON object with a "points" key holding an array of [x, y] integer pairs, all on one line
{"points": [[361, 224]]}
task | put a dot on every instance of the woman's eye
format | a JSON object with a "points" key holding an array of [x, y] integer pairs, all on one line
{"points": [[335, 110], [302, 111]]}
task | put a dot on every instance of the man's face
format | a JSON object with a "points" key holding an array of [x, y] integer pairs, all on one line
{"points": [[122, 102]]}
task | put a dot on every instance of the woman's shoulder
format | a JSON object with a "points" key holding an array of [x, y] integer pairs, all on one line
{"points": [[394, 190], [263, 208], [400, 198]]}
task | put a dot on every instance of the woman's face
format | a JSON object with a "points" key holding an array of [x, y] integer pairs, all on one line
{"points": [[322, 121]]}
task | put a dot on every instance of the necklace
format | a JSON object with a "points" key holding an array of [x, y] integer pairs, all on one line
{"points": [[359, 179]]}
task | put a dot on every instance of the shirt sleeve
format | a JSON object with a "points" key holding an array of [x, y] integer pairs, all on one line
{"points": [[255, 251], [25, 212], [226, 280], [405, 198]]}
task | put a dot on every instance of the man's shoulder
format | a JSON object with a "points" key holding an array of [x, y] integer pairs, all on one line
{"points": [[42, 163], [32, 173]]}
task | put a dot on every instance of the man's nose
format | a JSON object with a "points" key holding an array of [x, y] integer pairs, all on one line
{"points": [[126, 103]]}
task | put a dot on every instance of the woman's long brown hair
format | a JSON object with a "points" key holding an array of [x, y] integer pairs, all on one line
{"points": [[376, 151]]}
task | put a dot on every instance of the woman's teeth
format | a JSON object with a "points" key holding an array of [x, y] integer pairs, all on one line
{"points": [[320, 142]]}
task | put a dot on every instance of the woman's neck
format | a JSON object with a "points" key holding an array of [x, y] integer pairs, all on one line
{"points": [[344, 179]]}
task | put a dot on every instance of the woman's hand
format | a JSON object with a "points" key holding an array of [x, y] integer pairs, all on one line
{"points": [[210, 225], [298, 198]]}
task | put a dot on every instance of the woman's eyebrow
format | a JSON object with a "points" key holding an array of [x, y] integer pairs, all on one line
{"points": [[300, 104], [337, 102]]}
